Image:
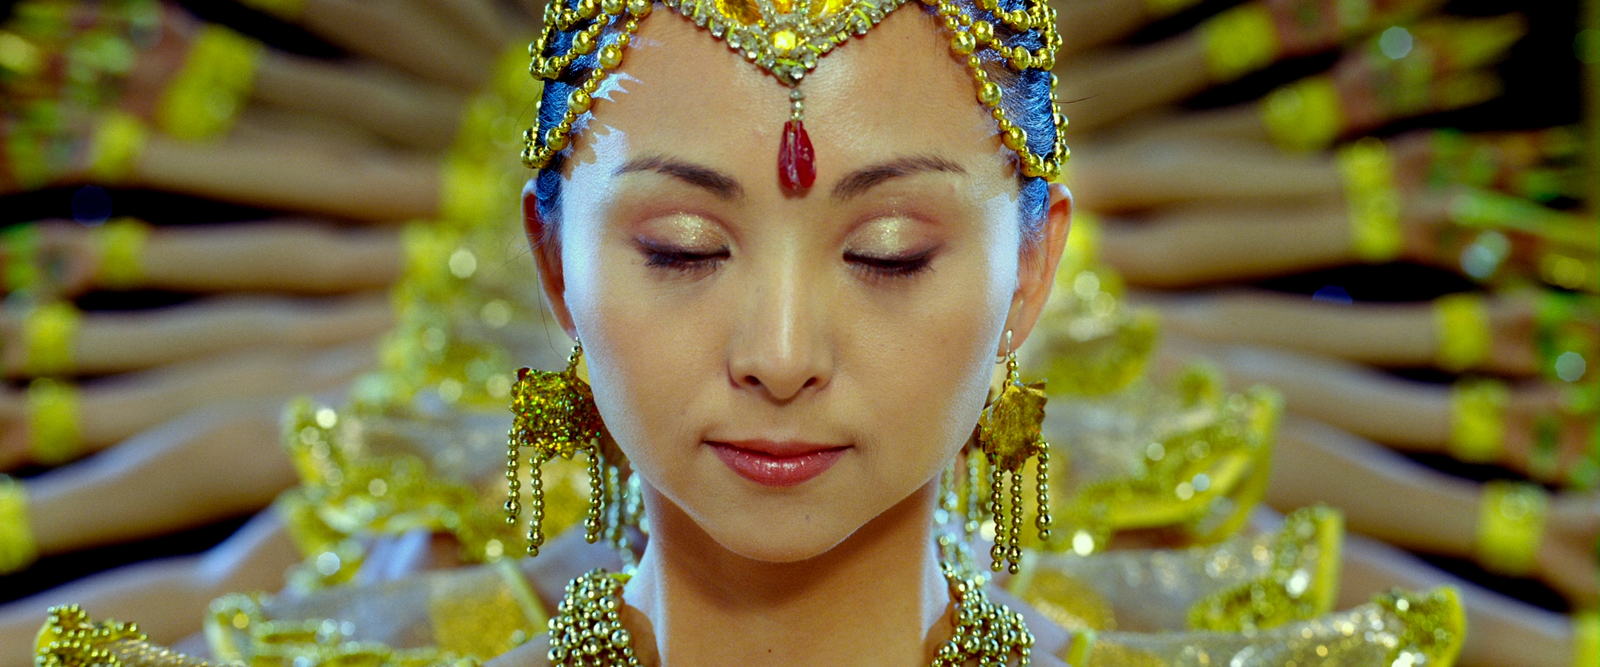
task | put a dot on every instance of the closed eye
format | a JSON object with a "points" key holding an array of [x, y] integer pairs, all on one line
{"points": [[680, 260], [892, 267]]}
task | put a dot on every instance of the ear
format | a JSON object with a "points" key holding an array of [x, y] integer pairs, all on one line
{"points": [[1036, 272], [546, 249]]}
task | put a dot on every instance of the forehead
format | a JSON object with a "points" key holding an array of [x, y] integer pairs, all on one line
{"points": [[893, 92]]}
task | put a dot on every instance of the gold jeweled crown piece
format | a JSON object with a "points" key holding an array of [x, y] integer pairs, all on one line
{"points": [[787, 38]]}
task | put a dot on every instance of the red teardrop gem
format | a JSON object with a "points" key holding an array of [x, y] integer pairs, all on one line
{"points": [[797, 162]]}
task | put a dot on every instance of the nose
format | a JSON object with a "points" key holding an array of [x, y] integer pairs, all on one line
{"points": [[781, 349]]}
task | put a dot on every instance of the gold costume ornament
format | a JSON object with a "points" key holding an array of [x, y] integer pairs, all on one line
{"points": [[70, 639], [1008, 435], [54, 412], [1511, 524], [787, 38], [1462, 328], [18, 549], [1477, 420], [587, 629], [554, 414], [120, 245], [1376, 233], [50, 338]]}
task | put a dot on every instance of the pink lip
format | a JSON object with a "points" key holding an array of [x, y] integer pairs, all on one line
{"points": [[777, 464]]}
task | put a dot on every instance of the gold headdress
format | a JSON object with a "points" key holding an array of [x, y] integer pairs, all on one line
{"points": [[787, 38]]}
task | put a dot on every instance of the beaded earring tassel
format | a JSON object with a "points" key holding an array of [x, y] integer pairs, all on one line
{"points": [[1010, 433], [554, 414]]}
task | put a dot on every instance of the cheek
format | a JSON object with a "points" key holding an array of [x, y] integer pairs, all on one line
{"points": [[643, 352], [933, 364]]}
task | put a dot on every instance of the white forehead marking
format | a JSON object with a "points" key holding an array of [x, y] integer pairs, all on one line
{"points": [[612, 83]]}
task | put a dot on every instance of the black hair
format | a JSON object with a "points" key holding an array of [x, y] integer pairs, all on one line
{"points": [[1026, 99]]}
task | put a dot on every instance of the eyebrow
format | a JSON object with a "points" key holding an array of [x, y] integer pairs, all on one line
{"points": [[717, 183], [866, 178]]}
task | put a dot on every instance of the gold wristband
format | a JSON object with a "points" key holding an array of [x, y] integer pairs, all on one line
{"points": [[17, 547], [1511, 517], [1461, 327], [203, 99], [1477, 420], [121, 245], [1374, 202], [118, 142], [1239, 41], [53, 410], [1569, 270], [288, 10], [49, 338], [1586, 639], [1304, 115], [19, 250]]}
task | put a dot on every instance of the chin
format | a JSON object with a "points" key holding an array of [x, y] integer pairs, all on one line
{"points": [[785, 529], [776, 540]]}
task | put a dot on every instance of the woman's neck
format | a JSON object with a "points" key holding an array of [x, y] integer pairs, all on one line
{"points": [[878, 598]]}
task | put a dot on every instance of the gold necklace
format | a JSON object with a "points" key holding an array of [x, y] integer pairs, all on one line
{"points": [[587, 628]]}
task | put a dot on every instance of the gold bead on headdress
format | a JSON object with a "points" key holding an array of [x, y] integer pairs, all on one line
{"points": [[787, 38]]}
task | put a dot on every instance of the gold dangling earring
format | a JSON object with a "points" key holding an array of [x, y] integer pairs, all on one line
{"points": [[1009, 433], [555, 414]]}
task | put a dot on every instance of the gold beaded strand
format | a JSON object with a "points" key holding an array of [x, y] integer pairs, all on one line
{"points": [[788, 45]]}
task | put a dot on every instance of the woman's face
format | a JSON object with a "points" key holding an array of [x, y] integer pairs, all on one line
{"points": [[785, 367]]}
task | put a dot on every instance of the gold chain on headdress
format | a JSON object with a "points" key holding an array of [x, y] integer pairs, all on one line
{"points": [[786, 38]]}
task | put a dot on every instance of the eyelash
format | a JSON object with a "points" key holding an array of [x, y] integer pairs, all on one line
{"points": [[892, 267], [685, 262], [681, 261]]}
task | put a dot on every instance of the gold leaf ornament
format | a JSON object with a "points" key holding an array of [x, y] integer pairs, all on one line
{"points": [[1010, 428], [555, 412]]}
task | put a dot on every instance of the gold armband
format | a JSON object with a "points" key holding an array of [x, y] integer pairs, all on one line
{"points": [[1563, 269], [19, 250], [1239, 41], [53, 422], [288, 10], [1586, 639], [205, 96], [1477, 420], [1461, 327], [1375, 234], [1304, 115], [50, 336], [118, 142], [17, 548], [1511, 518], [121, 246]]}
